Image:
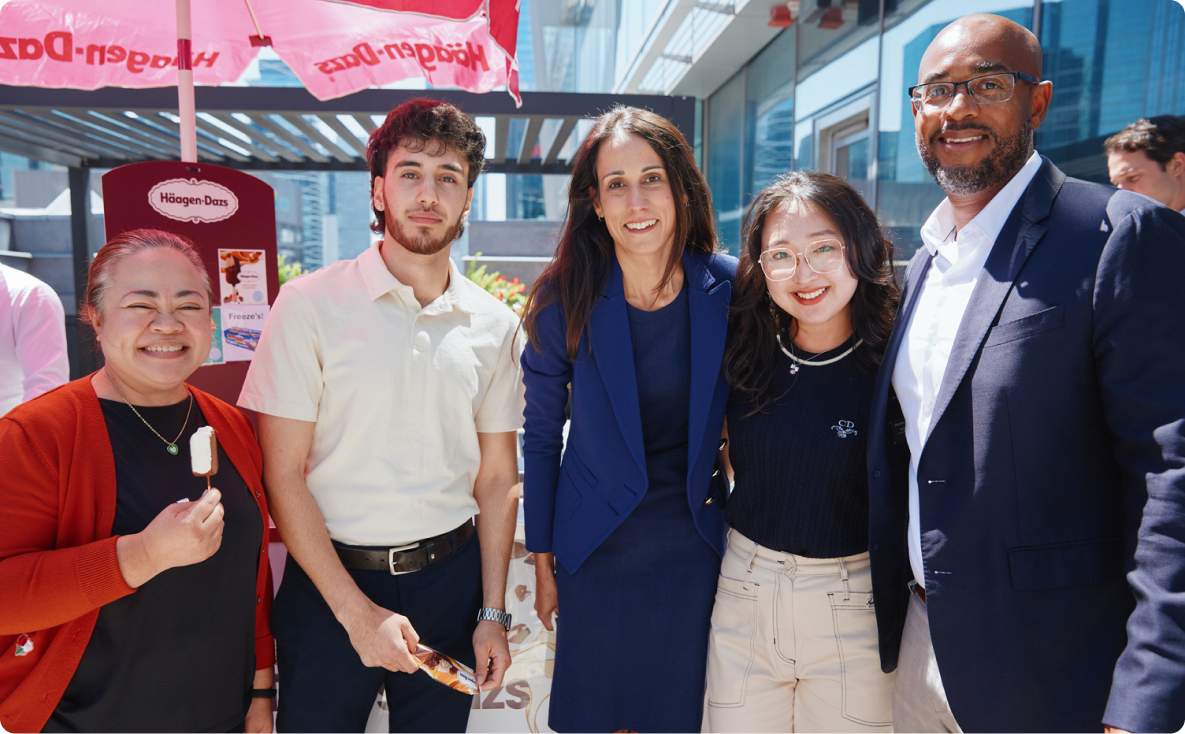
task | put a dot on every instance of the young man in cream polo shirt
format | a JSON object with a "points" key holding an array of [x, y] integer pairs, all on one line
{"points": [[389, 395]]}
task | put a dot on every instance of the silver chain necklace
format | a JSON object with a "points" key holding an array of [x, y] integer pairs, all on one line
{"points": [[171, 447], [799, 361]]}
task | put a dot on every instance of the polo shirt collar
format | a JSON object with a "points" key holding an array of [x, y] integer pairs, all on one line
{"points": [[375, 276], [378, 282], [459, 294]]}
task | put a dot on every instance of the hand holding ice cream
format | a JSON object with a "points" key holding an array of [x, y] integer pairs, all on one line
{"points": [[182, 534]]}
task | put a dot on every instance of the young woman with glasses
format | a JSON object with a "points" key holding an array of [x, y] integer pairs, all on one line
{"points": [[794, 642]]}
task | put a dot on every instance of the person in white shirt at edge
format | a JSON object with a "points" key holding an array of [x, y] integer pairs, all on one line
{"points": [[1148, 157], [1033, 452], [389, 396], [32, 339]]}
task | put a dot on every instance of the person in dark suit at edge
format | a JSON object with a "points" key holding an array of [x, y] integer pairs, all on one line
{"points": [[1027, 455]]}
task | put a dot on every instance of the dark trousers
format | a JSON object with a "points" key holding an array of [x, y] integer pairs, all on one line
{"points": [[324, 687]]}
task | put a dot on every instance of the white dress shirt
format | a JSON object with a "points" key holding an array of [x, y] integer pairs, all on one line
{"points": [[398, 394], [32, 338], [959, 258]]}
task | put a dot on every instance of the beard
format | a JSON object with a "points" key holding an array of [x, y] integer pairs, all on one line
{"points": [[1007, 156], [421, 243]]}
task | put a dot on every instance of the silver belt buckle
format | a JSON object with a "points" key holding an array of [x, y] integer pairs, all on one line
{"points": [[391, 558]]}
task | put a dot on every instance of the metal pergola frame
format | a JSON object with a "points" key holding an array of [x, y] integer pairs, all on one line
{"points": [[272, 129], [284, 128]]}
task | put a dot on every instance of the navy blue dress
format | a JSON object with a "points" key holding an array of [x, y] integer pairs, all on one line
{"points": [[632, 635]]}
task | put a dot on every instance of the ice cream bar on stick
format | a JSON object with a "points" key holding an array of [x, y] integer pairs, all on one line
{"points": [[446, 670], [203, 453]]}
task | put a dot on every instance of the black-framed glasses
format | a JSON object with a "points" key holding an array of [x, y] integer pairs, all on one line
{"points": [[822, 256], [986, 89]]}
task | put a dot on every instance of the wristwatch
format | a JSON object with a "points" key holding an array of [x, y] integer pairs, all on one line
{"points": [[488, 614]]}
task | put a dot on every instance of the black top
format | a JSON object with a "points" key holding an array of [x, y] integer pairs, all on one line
{"points": [[179, 654], [800, 467]]}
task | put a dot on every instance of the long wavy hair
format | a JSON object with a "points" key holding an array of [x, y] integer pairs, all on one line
{"points": [[577, 275], [756, 321]]}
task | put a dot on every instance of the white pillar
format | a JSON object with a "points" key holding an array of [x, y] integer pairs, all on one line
{"points": [[185, 104]]}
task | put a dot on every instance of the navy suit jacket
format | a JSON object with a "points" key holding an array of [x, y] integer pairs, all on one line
{"points": [[1052, 486], [573, 504]]}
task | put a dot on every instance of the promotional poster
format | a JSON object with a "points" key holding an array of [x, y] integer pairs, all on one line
{"points": [[231, 217]]}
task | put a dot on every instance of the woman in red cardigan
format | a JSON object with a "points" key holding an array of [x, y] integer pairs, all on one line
{"points": [[133, 598]]}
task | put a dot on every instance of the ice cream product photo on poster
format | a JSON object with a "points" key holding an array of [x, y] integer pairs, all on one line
{"points": [[242, 277], [241, 328]]}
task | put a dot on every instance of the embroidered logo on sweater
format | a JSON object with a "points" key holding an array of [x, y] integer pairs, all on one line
{"points": [[845, 429], [24, 646]]}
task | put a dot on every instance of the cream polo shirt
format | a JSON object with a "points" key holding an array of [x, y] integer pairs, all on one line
{"points": [[398, 393]]}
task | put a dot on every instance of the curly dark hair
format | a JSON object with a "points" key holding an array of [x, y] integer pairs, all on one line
{"points": [[577, 275], [755, 321], [1160, 138], [417, 124]]}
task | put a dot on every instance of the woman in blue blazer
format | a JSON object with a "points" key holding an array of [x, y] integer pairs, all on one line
{"points": [[628, 323]]}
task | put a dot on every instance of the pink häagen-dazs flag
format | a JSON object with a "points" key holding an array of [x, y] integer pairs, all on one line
{"points": [[334, 48], [84, 44]]}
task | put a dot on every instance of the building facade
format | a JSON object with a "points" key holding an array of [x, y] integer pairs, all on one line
{"points": [[829, 93]]}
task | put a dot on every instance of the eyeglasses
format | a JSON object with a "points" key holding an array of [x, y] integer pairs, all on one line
{"points": [[823, 256], [986, 89]]}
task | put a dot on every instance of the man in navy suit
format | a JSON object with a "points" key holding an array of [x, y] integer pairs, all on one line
{"points": [[1027, 456]]}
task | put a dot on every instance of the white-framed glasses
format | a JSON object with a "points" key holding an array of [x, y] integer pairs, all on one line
{"points": [[822, 256]]}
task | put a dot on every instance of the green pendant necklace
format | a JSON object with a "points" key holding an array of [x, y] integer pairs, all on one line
{"points": [[170, 446]]}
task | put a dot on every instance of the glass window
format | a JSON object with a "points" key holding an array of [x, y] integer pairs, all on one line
{"points": [[839, 79], [803, 146], [836, 31], [1111, 63], [850, 157], [726, 117], [770, 111], [573, 45], [906, 193], [834, 109], [835, 92], [633, 26]]}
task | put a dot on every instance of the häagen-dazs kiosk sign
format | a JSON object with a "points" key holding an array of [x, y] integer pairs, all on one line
{"points": [[191, 200]]}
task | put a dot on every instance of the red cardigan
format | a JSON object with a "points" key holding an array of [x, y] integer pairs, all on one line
{"points": [[57, 554]]}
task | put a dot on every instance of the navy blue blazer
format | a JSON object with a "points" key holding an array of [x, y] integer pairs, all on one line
{"points": [[573, 504], [1052, 486]]}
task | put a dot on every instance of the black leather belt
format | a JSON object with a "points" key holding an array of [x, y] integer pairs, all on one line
{"points": [[405, 558]]}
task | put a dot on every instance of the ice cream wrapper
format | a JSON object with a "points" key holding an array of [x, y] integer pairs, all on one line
{"points": [[445, 670]]}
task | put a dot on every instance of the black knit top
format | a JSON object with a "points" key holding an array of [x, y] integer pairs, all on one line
{"points": [[800, 469]]}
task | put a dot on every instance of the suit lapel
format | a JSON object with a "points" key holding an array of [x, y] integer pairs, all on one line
{"points": [[613, 351], [1012, 248], [914, 274], [708, 301]]}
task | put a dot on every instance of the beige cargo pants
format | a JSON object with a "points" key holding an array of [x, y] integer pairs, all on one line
{"points": [[793, 645]]}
